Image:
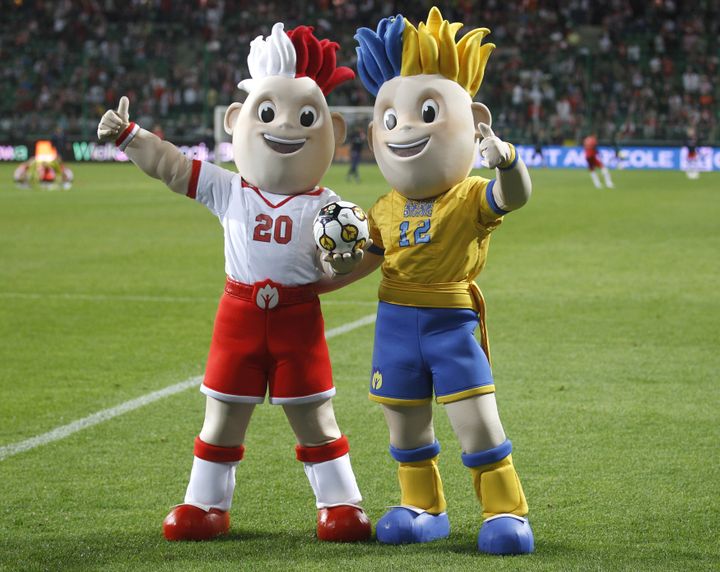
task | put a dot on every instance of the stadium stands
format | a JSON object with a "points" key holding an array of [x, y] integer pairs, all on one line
{"points": [[634, 70]]}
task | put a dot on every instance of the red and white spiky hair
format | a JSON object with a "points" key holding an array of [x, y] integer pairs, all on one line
{"points": [[297, 53]]}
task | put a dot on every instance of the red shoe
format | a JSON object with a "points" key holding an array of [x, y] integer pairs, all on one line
{"points": [[343, 523], [188, 522]]}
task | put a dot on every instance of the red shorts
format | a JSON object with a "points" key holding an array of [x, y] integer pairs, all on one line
{"points": [[593, 162], [282, 347]]}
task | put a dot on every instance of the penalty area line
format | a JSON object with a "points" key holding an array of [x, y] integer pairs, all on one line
{"points": [[106, 414]]}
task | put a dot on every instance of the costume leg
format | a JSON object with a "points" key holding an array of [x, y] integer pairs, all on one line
{"points": [[486, 452], [324, 452], [208, 498], [421, 516]]}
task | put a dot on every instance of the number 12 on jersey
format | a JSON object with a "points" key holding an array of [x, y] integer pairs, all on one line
{"points": [[420, 235]]}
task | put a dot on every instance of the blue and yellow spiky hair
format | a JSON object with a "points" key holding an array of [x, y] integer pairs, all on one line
{"points": [[398, 48]]}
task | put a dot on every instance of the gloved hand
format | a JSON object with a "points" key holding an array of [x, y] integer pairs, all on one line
{"points": [[113, 123], [345, 263], [493, 149]]}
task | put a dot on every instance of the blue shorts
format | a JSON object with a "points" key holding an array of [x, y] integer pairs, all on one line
{"points": [[418, 350]]}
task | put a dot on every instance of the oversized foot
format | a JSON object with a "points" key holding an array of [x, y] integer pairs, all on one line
{"points": [[343, 523], [402, 525], [506, 534], [188, 522]]}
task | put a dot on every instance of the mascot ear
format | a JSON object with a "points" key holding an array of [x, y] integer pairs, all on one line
{"points": [[339, 128], [481, 114], [369, 136], [231, 116]]}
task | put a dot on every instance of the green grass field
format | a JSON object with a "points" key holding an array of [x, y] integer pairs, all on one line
{"points": [[603, 312]]}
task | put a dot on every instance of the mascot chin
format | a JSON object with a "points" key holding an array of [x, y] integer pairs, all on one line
{"points": [[268, 336], [431, 235]]}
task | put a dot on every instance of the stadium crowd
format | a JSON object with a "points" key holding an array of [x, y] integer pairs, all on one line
{"points": [[629, 70]]}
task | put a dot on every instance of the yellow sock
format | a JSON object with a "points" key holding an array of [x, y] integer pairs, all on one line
{"points": [[498, 488], [420, 485]]}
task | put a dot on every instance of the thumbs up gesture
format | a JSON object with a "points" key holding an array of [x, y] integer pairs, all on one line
{"points": [[494, 150], [113, 123]]}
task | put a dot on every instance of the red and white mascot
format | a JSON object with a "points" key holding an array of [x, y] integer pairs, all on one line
{"points": [[269, 333]]}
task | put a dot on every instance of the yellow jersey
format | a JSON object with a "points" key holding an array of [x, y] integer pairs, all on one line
{"points": [[435, 248]]}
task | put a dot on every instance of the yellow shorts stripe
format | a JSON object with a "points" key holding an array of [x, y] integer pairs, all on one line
{"points": [[482, 390], [394, 401]]}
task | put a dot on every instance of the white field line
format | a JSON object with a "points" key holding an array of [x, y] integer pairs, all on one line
{"points": [[106, 414], [142, 298]]}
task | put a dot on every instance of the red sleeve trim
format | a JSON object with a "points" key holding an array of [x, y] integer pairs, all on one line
{"points": [[323, 453], [124, 135], [217, 454], [194, 176]]}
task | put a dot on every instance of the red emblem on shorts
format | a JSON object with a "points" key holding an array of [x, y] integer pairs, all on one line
{"points": [[266, 295]]}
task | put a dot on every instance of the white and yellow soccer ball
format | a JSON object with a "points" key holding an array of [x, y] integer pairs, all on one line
{"points": [[341, 227]]}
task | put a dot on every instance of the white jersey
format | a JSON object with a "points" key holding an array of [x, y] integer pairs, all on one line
{"points": [[267, 236]]}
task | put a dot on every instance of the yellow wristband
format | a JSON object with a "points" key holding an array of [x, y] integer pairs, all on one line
{"points": [[510, 163]]}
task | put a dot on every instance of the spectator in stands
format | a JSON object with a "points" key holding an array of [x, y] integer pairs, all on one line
{"points": [[579, 65]]}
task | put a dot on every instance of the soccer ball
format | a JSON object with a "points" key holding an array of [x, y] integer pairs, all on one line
{"points": [[341, 227]]}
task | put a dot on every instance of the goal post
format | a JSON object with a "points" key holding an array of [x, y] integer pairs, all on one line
{"points": [[356, 118]]}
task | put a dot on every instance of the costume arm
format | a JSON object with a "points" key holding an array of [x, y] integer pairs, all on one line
{"points": [[161, 160], [512, 186], [369, 263], [157, 158]]}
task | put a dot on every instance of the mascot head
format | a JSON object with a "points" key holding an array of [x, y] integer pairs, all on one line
{"points": [[284, 135], [424, 128]]}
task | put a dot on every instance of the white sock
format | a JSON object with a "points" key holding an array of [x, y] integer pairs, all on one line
{"points": [[595, 180], [211, 485], [333, 482], [608, 180]]}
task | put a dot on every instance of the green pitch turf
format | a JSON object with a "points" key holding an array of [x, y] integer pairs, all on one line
{"points": [[603, 311]]}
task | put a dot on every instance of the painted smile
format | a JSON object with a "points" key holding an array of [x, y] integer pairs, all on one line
{"points": [[409, 149], [284, 146]]}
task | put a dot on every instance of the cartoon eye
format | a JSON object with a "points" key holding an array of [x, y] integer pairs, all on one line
{"points": [[308, 114], [390, 119], [429, 110], [266, 111]]}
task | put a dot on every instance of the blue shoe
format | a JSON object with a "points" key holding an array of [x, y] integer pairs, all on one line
{"points": [[506, 534], [402, 525]]}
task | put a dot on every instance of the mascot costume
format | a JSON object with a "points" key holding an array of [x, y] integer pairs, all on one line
{"points": [[269, 330], [431, 234]]}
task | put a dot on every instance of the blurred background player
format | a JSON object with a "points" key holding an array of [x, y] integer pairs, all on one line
{"points": [[537, 141], [593, 161], [691, 167], [620, 154], [54, 174], [21, 176], [357, 142], [49, 174]]}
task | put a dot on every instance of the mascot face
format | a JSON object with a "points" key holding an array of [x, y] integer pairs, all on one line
{"points": [[424, 126], [284, 135], [423, 134]]}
